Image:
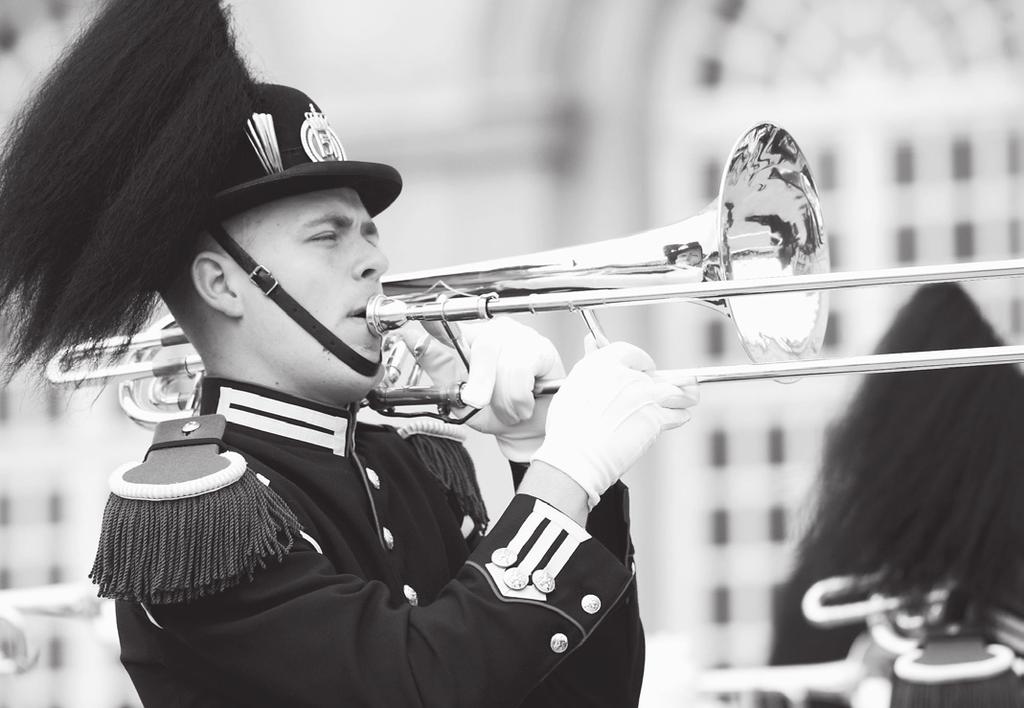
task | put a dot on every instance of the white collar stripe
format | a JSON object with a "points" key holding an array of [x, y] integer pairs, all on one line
{"points": [[287, 410], [257, 414], [285, 430], [283, 419]]}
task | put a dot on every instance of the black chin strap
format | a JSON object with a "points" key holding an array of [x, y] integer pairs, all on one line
{"points": [[266, 282]]}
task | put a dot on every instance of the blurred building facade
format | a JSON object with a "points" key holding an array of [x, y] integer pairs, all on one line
{"points": [[533, 124]]}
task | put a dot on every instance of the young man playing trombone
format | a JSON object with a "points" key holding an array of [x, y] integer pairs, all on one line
{"points": [[273, 550]]}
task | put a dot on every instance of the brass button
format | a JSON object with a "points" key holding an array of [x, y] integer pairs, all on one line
{"points": [[373, 477], [559, 643], [591, 604], [503, 557], [389, 538], [411, 596], [516, 578], [543, 581]]}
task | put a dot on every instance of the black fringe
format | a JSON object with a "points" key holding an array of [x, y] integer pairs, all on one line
{"points": [[164, 552], [1002, 691], [451, 464]]}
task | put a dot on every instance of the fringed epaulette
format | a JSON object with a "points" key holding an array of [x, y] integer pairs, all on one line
{"points": [[191, 520], [440, 447]]}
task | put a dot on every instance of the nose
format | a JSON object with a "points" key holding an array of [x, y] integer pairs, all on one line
{"points": [[371, 264]]}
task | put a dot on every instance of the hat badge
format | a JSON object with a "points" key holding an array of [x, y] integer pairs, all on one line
{"points": [[318, 138]]}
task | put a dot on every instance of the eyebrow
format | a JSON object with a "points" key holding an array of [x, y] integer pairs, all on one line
{"points": [[368, 228]]}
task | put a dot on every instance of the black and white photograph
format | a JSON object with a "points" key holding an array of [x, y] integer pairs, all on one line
{"points": [[511, 354]]}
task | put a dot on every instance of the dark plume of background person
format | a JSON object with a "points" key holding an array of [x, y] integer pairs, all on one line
{"points": [[106, 172], [921, 480], [920, 483]]}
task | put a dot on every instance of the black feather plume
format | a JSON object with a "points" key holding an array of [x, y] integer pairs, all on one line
{"points": [[106, 174], [923, 477]]}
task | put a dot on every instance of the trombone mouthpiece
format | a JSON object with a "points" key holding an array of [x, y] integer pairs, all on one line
{"points": [[384, 314]]}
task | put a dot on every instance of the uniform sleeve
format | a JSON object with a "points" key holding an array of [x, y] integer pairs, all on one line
{"points": [[531, 594], [608, 669]]}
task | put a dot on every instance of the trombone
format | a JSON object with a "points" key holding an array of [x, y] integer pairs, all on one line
{"points": [[895, 625], [757, 254], [65, 600]]}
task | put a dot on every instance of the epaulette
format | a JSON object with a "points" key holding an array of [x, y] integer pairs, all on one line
{"points": [[190, 520], [441, 448]]}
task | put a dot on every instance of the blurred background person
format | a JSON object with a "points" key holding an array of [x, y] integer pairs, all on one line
{"points": [[920, 484]]}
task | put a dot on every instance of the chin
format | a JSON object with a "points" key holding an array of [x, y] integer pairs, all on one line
{"points": [[370, 351], [347, 386], [341, 393]]}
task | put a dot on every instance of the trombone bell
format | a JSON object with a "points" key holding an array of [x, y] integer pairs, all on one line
{"points": [[766, 222]]}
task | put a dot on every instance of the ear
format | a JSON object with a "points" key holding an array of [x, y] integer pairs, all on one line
{"points": [[215, 278]]}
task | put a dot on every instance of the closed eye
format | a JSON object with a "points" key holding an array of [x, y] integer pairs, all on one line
{"points": [[324, 237]]}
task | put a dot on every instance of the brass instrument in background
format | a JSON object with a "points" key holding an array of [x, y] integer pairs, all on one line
{"points": [[69, 600], [894, 626], [757, 254]]}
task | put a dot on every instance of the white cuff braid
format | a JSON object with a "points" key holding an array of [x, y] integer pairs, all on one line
{"points": [[607, 414]]}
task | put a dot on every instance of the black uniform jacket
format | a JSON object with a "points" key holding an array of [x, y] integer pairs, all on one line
{"points": [[384, 602]]}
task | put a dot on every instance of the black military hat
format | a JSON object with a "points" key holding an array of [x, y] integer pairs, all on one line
{"points": [[287, 147], [149, 132]]}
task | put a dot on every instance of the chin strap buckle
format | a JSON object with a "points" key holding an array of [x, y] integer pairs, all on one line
{"points": [[263, 279]]}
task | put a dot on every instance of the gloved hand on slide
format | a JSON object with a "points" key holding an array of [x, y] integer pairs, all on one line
{"points": [[506, 359], [608, 412]]}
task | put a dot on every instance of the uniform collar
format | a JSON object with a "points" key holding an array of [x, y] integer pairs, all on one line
{"points": [[275, 413]]}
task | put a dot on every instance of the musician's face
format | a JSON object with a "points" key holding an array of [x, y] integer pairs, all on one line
{"points": [[324, 250]]}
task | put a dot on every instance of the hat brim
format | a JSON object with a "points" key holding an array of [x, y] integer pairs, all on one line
{"points": [[378, 185]]}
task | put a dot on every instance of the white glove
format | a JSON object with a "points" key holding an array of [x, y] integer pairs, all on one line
{"points": [[608, 412], [505, 360]]}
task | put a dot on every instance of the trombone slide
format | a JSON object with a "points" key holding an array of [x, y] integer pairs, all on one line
{"points": [[872, 363]]}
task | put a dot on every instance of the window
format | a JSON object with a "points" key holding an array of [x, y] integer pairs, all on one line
{"points": [[963, 240], [720, 527], [5, 510], [719, 449], [1013, 155], [1014, 237], [5, 578], [1016, 319], [712, 178], [729, 10], [777, 524], [716, 338], [54, 402], [58, 9], [961, 159], [8, 36], [904, 164], [55, 653], [55, 574], [777, 596], [832, 331], [776, 446], [825, 170], [710, 72], [906, 245], [720, 605], [55, 509], [833, 250]]}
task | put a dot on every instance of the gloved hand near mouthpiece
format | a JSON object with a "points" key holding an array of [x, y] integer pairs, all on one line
{"points": [[506, 359], [608, 412]]}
